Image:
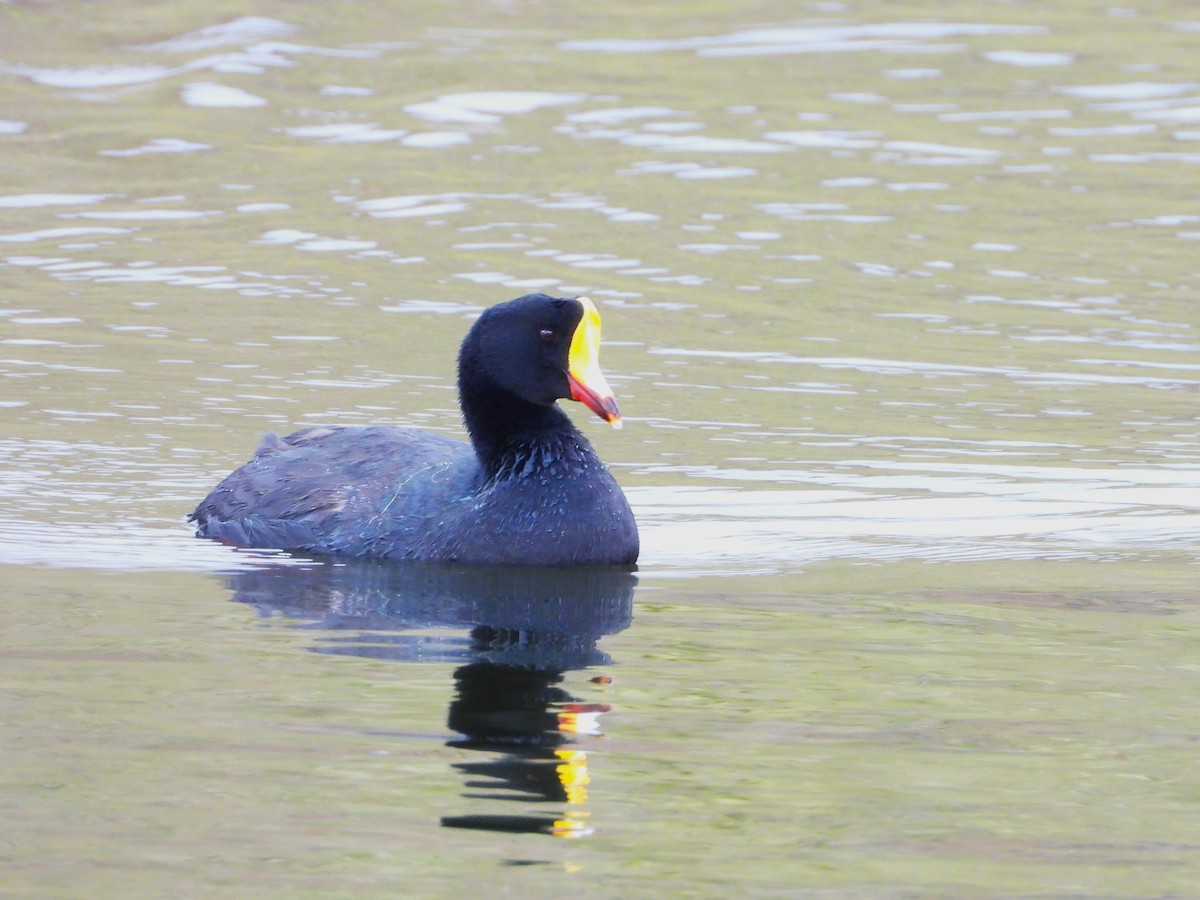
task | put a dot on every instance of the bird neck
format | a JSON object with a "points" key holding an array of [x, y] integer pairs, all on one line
{"points": [[514, 438]]}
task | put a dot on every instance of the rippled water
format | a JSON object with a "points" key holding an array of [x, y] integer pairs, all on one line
{"points": [[899, 304]]}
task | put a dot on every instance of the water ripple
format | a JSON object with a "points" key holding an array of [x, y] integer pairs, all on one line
{"points": [[238, 31], [883, 510], [898, 37]]}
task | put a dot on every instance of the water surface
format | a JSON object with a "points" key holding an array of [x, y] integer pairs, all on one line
{"points": [[899, 306]]}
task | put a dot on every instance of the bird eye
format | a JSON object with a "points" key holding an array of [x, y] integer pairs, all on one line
{"points": [[546, 334]]}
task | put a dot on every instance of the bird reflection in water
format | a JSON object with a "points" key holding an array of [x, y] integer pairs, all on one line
{"points": [[526, 628], [524, 715]]}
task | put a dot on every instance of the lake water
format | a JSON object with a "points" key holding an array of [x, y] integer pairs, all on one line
{"points": [[900, 305]]}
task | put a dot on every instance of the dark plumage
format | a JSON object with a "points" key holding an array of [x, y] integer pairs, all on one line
{"points": [[529, 489]]}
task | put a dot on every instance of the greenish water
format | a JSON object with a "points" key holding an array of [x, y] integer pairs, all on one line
{"points": [[899, 304]]}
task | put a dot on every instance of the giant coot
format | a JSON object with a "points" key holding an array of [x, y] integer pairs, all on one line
{"points": [[527, 490]]}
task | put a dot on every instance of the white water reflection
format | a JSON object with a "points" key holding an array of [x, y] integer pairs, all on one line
{"points": [[691, 143], [430, 205], [121, 546], [486, 107], [1130, 90], [925, 404], [1168, 103], [219, 96], [688, 170], [255, 57], [626, 231], [897, 37], [930, 369], [238, 31], [889, 510], [821, 212], [142, 214], [50, 234], [33, 201], [312, 242], [91, 77], [1011, 115], [1029, 59], [436, 139], [346, 133], [207, 277], [160, 145], [910, 152], [869, 510], [619, 115]]}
